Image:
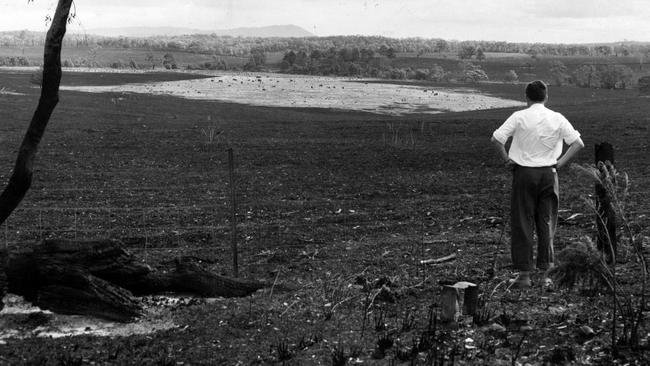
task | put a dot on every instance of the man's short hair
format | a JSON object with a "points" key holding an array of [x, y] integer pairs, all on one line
{"points": [[536, 91]]}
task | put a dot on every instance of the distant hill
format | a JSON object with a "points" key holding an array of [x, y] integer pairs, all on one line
{"points": [[268, 31]]}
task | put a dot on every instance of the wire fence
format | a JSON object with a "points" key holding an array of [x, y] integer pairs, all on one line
{"points": [[262, 225], [265, 224], [204, 226]]}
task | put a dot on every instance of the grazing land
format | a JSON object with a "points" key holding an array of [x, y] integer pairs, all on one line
{"points": [[337, 206]]}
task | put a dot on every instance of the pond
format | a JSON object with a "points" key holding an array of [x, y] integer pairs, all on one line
{"points": [[280, 90]]}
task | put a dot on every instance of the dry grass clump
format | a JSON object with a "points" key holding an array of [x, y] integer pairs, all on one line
{"points": [[583, 260], [580, 262]]}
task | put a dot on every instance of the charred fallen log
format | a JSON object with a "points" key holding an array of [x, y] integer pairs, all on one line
{"points": [[101, 278]]}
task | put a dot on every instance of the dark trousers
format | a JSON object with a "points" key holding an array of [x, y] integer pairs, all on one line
{"points": [[534, 205]]}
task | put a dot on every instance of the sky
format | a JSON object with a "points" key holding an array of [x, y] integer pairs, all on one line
{"points": [[551, 21]]}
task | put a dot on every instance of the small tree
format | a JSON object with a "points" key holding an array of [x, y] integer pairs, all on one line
{"points": [[256, 60], [117, 64], [535, 50], [615, 76], [511, 76], [151, 59], [559, 72], [421, 74], [621, 50], [586, 76], [466, 52], [169, 62], [92, 56], [603, 50], [396, 73], [437, 73], [475, 75], [301, 58], [290, 58], [480, 55], [472, 73]]}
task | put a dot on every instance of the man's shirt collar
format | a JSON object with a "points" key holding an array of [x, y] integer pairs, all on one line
{"points": [[537, 105]]}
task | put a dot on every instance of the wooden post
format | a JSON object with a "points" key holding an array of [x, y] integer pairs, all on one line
{"points": [[470, 300], [606, 220], [449, 308], [233, 213]]}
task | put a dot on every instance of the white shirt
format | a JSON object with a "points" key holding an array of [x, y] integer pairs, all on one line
{"points": [[537, 134]]}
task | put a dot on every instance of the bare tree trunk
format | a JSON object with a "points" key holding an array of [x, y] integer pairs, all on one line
{"points": [[21, 179]]}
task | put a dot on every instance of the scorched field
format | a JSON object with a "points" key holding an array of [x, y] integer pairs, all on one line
{"points": [[336, 208]]}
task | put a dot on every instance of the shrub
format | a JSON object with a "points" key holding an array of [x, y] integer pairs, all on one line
{"points": [[580, 261], [480, 55], [472, 73], [14, 61], [559, 72], [586, 76], [466, 52], [511, 76], [117, 64], [615, 76], [399, 74], [133, 64], [421, 74], [169, 62], [437, 73]]}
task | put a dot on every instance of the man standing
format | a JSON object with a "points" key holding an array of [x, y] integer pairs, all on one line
{"points": [[534, 156]]}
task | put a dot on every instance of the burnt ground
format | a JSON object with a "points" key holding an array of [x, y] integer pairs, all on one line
{"points": [[335, 205]]}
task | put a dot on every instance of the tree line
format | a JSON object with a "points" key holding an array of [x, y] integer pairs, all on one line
{"points": [[356, 56], [354, 62], [243, 46]]}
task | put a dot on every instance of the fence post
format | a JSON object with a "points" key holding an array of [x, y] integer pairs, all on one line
{"points": [[180, 226], [606, 219], [40, 224], [146, 238], [233, 213], [75, 224]]}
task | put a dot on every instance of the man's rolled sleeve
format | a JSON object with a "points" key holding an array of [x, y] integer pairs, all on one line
{"points": [[569, 134], [506, 130]]}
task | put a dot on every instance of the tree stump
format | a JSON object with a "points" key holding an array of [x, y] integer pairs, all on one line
{"points": [[101, 278], [470, 300], [449, 306]]}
